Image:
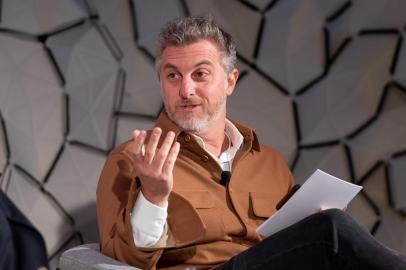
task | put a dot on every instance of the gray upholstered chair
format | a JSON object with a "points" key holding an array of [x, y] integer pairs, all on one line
{"points": [[88, 256]]}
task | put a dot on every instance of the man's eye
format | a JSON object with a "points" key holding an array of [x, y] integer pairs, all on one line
{"points": [[201, 74], [172, 76]]}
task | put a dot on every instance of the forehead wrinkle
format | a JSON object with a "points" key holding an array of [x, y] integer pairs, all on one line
{"points": [[204, 62], [201, 63], [191, 56], [169, 65]]}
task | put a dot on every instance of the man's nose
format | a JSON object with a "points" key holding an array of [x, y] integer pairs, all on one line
{"points": [[187, 88]]}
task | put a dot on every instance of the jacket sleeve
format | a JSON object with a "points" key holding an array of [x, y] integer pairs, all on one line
{"points": [[117, 192]]}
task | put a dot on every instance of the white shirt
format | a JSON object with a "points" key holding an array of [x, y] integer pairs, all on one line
{"points": [[148, 220]]}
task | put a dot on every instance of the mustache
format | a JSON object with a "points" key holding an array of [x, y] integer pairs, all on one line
{"points": [[189, 102]]}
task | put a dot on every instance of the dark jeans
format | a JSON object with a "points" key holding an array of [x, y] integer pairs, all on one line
{"points": [[327, 240]]}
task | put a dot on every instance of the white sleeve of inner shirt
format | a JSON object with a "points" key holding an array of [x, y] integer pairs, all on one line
{"points": [[147, 221]]}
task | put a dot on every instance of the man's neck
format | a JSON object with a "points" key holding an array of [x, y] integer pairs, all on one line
{"points": [[215, 140]]}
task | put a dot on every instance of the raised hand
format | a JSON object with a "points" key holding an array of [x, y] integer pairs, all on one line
{"points": [[155, 165]]}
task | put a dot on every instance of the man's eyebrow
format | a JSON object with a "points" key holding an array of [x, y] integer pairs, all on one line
{"points": [[168, 65], [203, 62]]}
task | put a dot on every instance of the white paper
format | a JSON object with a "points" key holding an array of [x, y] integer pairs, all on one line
{"points": [[320, 191]]}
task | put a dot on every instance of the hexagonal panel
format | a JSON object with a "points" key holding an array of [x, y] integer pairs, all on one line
{"points": [[391, 230], [349, 95], [142, 94], [31, 101], [244, 31], [91, 74], [362, 212], [40, 209], [292, 46], [121, 27], [383, 137], [38, 16], [331, 159], [253, 91], [399, 74], [368, 206], [151, 16], [126, 125], [73, 182], [261, 4], [366, 14], [398, 182]]}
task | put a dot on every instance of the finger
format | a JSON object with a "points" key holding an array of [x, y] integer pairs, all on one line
{"points": [[167, 169], [150, 148], [162, 154], [139, 138]]}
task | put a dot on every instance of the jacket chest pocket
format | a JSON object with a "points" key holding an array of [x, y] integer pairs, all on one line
{"points": [[209, 212], [262, 206]]}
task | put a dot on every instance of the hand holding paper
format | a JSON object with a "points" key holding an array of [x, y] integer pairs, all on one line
{"points": [[320, 191]]}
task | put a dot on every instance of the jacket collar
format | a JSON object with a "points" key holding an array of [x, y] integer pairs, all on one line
{"points": [[249, 134]]}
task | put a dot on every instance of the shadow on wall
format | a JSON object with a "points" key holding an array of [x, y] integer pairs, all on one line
{"points": [[86, 222], [85, 231]]}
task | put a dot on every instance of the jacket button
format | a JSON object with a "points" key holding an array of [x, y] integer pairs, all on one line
{"points": [[205, 158], [187, 138]]}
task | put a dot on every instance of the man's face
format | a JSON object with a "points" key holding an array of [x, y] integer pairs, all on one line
{"points": [[195, 85]]}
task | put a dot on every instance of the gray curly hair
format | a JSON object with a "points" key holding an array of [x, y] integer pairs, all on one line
{"points": [[188, 30]]}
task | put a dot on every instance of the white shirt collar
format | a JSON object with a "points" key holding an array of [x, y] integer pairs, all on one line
{"points": [[228, 155]]}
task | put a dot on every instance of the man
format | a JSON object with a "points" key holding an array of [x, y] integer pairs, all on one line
{"points": [[191, 192]]}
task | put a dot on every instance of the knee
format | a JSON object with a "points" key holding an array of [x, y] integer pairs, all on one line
{"points": [[336, 219], [342, 223], [334, 214], [331, 215]]}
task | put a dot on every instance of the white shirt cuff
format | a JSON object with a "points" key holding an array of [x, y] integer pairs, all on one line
{"points": [[148, 222]]}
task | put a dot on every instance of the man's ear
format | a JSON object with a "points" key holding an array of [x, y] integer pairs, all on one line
{"points": [[232, 78]]}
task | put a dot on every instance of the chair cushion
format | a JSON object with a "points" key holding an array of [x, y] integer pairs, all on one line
{"points": [[88, 256]]}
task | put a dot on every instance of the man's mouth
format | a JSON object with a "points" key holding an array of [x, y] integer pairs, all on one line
{"points": [[189, 107]]}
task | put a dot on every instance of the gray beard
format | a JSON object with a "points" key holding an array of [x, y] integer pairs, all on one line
{"points": [[197, 126]]}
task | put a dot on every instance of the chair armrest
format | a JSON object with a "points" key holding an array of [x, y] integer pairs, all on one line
{"points": [[88, 256]]}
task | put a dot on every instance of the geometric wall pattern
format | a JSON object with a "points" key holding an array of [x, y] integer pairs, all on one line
{"points": [[324, 82]]}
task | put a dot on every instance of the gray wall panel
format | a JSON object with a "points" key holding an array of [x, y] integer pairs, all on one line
{"points": [[323, 82]]}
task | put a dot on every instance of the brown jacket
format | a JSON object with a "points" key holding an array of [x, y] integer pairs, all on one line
{"points": [[207, 222]]}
